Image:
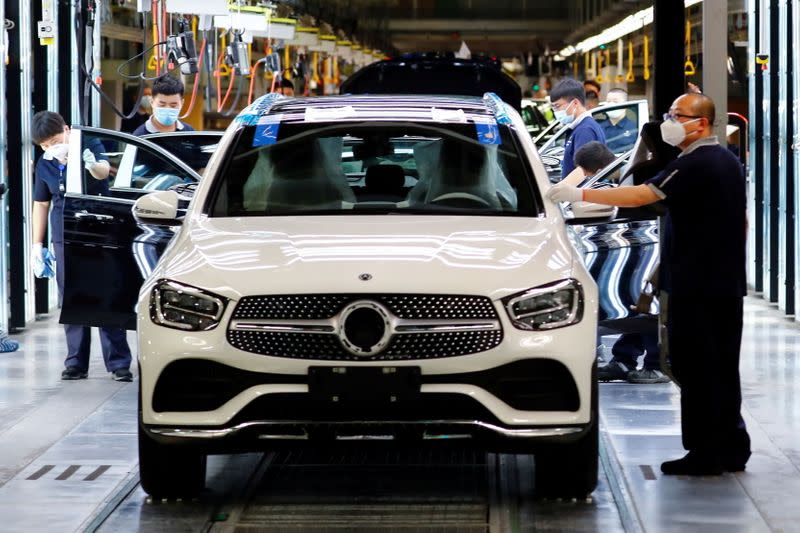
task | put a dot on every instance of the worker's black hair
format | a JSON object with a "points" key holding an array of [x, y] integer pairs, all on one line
{"points": [[568, 89], [287, 83], [593, 156], [167, 85], [594, 84], [45, 125]]}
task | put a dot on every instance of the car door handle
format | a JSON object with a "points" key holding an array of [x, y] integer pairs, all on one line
{"points": [[96, 217]]}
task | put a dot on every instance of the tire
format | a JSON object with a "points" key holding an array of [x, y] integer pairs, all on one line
{"points": [[169, 471], [570, 470]]}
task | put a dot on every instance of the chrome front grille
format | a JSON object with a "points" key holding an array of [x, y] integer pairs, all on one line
{"points": [[317, 326], [408, 306]]}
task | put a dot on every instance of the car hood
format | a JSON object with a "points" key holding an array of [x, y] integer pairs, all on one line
{"points": [[492, 256]]}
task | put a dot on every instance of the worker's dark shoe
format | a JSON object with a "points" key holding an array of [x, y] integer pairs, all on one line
{"points": [[736, 463], [734, 467], [647, 375], [122, 374], [71, 373], [692, 465], [613, 371]]}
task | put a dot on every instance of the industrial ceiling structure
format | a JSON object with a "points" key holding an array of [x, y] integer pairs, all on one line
{"points": [[498, 27]]}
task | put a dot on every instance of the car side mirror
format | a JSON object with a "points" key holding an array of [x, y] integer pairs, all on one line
{"points": [[587, 213], [158, 208]]}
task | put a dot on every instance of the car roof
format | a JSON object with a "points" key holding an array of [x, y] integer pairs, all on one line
{"points": [[371, 107]]}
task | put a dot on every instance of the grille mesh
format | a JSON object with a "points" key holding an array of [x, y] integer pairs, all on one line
{"points": [[406, 306], [328, 347], [401, 347]]}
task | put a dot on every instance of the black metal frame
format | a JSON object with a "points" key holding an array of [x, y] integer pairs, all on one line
{"points": [[757, 164], [17, 211], [772, 165], [668, 55], [791, 238]]}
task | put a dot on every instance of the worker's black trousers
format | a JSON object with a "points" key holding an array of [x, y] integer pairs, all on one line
{"points": [[705, 334]]}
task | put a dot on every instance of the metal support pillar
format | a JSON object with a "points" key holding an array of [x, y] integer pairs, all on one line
{"points": [[755, 196], [65, 45], [794, 179], [4, 245], [771, 183], [96, 58], [668, 62], [786, 208], [20, 164], [715, 60], [40, 91]]}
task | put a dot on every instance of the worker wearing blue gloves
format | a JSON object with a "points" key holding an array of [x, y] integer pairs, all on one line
{"points": [[51, 133]]}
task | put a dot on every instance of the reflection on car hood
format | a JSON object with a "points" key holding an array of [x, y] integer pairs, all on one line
{"points": [[493, 256]]}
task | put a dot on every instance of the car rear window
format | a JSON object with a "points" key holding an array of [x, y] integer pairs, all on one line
{"points": [[374, 167]]}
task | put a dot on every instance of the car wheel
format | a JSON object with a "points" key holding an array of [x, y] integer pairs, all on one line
{"points": [[169, 471], [570, 470]]}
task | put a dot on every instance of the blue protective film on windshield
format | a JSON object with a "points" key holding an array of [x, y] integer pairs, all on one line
{"points": [[266, 131], [488, 133]]}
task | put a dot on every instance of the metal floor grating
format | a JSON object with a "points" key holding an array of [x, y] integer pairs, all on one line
{"points": [[405, 491]]}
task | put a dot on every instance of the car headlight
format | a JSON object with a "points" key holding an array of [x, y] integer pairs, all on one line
{"points": [[178, 306], [547, 307]]}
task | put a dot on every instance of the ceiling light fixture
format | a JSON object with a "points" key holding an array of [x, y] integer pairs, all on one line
{"points": [[628, 25]]}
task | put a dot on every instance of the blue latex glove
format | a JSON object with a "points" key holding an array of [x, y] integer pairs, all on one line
{"points": [[43, 262]]}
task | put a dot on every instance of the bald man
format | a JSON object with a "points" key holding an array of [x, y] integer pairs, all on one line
{"points": [[704, 191]]}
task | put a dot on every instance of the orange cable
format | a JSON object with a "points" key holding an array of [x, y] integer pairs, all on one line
{"points": [[221, 103], [196, 79]]}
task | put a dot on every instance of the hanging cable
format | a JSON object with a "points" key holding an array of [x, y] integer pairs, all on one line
{"points": [[253, 71], [196, 82], [81, 46], [232, 109], [209, 51], [221, 103]]}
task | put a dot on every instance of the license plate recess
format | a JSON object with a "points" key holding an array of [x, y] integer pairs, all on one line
{"points": [[347, 385]]}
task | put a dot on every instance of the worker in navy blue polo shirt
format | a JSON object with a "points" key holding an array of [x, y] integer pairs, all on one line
{"points": [[51, 133], [166, 102], [704, 191], [620, 131], [568, 101]]}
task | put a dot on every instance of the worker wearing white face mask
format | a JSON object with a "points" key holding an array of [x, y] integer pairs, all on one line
{"points": [[568, 101], [166, 102], [620, 131], [52, 134], [704, 192]]}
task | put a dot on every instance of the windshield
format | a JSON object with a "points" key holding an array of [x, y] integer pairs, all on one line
{"points": [[194, 149], [370, 167]]}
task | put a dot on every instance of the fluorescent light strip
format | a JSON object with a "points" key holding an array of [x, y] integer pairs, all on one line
{"points": [[628, 25]]}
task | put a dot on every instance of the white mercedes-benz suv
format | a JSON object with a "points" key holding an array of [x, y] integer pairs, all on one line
{"points": [[365, 268]]}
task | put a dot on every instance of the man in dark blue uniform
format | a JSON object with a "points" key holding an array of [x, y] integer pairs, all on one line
{"points": [[568, 101], [166, 102], [620, 131], [704, 191], [52, 134]]}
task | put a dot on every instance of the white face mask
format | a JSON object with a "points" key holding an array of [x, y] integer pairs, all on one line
{"points": [[563, 116], [672, 131], [615, 114], [57, 151]]}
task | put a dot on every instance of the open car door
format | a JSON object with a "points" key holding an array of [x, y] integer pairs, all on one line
{"points": [[620, 254], [106, 253], [551, 140]]}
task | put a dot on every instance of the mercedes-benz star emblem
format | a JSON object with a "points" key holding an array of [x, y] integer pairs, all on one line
{"points": [[365, 277], [364, 328]]}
